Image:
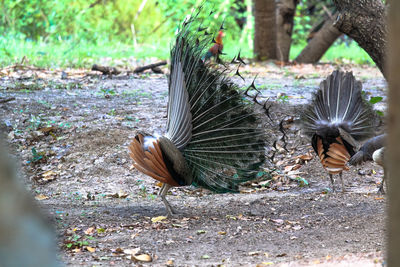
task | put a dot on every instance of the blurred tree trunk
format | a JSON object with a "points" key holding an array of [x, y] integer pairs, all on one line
{"points": [[393, 159], [265, 29], [284, 27], [320, 42], [25, 237], [365, 22]]}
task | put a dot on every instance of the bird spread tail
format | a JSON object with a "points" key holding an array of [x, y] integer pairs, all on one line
{"points": [[338, 105], [209, 120]]}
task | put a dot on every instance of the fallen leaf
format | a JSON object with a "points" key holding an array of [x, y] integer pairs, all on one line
{"points": [[131, 251], [205, 256], [306, 157], [119, 250], [292, 168], [254, 253], [169, 263], [90, 231], [120, 194], [41, 197], [142, 257], [199, 232], [100, 230], [47, 129], [90, 249], [222, 233], [297, 227], [158, 219], [277, 221]]}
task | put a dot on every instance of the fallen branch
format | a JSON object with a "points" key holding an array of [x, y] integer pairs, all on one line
{"points": [[150, 66], [106, 70], [5, 100]]}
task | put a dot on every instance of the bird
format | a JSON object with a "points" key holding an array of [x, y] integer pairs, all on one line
{"points": [[337, 118], [214, 138], [216, 49], [372, 150]]}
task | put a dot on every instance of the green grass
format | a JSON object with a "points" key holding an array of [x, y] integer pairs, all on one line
{"points": [[84, 53], [73, 54]]}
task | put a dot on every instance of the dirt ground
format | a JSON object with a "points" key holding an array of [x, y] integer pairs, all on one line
{"points": [[70, 131]]}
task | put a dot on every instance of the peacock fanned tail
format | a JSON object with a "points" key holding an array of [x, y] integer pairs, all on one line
{"points": [[210, 121]]}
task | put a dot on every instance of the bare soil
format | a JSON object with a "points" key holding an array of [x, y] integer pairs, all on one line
{"points": [[81, 174]]}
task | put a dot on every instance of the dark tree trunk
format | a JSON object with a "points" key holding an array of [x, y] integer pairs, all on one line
{"points": [[365, 22], [320, 42], [284, 27], [265, 29], [393, 70]]}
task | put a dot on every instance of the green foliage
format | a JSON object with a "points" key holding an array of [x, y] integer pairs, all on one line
{"points": [[35, 155], [78, 33], [375, 99]]}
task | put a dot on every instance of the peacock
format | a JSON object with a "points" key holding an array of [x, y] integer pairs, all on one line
{"points": [[336, 119], [214, 137]]}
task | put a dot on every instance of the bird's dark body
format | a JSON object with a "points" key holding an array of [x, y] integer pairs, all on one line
{"points": [[336, 119]]}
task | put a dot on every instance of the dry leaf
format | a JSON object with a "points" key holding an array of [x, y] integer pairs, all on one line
{"points": [[41, 197], [131, 251], [47, 129], [120, 194], [277, 221], [265, 263], [142, 257], [48, 173], [158, 219], [222, 233], [254, 253], [305, 157], [297, 227], [90, 249], [292, 167], [89, 231]]}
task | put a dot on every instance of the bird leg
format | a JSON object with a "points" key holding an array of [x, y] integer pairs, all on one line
{"points": [[163, 192], [341, 179], [333, 186], [381, 190]]}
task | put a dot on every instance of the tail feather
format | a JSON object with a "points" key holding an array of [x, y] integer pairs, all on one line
{"points": [[339, 104], [209, 120]]}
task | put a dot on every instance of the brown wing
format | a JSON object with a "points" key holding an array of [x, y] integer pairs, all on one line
{"points": [[334, 160], [150, 162]]}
